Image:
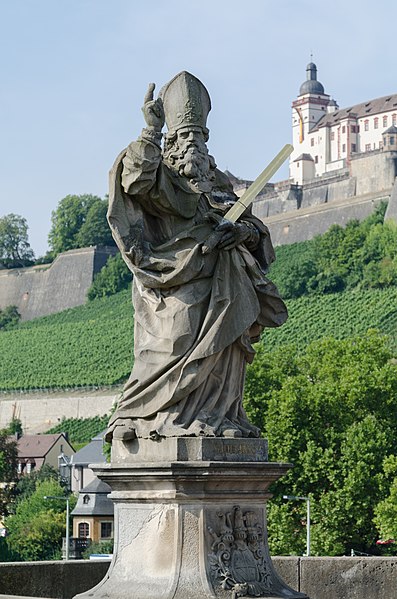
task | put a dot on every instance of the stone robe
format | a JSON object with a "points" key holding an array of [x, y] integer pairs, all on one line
{"points": [[195, 314]]}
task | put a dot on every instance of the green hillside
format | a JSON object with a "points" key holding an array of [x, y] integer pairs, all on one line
{"points": [[92, 345], [84, 346]]}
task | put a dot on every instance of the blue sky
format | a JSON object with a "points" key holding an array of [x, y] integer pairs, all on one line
{"points": [[74, 74]]}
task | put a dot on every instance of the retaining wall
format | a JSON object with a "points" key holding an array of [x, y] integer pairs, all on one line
{"points": [[319, 577], [46, 289], [42, 410]]}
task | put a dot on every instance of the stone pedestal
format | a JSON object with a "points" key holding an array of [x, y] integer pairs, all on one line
{"points": [[190, 520]]}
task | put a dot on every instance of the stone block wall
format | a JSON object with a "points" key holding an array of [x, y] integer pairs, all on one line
{"points": [[42, 290], [319, 577]]}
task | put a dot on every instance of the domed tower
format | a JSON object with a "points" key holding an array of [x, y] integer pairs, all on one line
{"points": [[307, 110]]}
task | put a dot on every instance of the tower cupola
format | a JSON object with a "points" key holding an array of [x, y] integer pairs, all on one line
{"points": [[311, 85]]}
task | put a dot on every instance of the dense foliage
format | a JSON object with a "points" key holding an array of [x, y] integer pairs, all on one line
{"points": [[15, 250], [9, 318], [361, 255], [81, 430], [79, 221], [36, 529], [8, 470], [332, 411], [111, 279]]}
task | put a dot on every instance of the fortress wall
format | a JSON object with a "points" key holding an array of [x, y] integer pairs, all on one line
{"points": [[39, 412], [43, 290], [305, 224], [374, 171]]}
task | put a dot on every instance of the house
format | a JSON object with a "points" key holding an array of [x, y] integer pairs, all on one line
{"points": [[93, 514], [34, 451], [81, 474]]}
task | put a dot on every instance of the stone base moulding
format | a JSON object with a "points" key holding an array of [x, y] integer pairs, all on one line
{"points": [[191, 529]]}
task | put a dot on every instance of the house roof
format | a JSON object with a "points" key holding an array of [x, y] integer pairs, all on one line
{"points": [[370, 108], [91, 453], [37, 446], [93, 500]]}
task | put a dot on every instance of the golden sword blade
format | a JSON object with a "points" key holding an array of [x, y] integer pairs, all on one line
{"points": [[250, 194]]}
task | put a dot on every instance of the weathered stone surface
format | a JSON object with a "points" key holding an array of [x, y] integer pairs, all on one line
{"points": [[187, 449], [349, 577], [46, 289], [352, 575], [187, 530], [59, 580]]}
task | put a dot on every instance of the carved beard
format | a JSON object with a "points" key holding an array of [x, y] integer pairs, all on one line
{"points": [[191, 161]]}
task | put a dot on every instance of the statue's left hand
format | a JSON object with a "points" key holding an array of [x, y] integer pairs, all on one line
{"points": [[233, 234]]}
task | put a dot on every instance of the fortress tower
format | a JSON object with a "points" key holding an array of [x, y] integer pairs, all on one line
{"points": [[307, 110]]}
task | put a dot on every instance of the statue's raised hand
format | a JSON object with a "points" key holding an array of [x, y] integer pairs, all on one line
{"points": [[153, 110]]}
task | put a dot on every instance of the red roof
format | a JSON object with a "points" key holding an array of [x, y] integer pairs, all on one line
{"points": [[37, 446]]}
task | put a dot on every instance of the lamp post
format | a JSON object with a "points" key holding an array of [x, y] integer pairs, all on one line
{"points": [[67, 518], [307, 499]]}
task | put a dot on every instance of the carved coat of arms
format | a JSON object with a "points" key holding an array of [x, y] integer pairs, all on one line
{"points": [[237, 558]]}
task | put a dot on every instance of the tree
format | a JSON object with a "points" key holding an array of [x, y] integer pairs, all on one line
{"points": [[35, 530], [8, 470], [113, 277], [330, 410], [79, 220], [95, 229], [9, 317], [15, 250]]}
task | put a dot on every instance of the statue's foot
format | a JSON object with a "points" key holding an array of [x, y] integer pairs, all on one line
{"points": [[122, 429], [231, 433]]}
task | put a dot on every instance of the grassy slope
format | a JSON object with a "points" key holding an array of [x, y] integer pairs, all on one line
{"points": [[92, 344]]}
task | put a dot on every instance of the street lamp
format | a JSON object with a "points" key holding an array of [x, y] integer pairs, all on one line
{"points": [[307, 499], [67, 518]]}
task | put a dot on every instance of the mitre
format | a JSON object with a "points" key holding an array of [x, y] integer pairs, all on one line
{"points": [[186, 102]]}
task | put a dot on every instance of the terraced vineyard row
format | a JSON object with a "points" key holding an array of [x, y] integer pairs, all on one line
{"points": [[81, 430], [93, 344], [89, 345], [339, 315]]}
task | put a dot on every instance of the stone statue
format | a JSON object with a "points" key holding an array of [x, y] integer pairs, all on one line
{"points": [[196, 312]]}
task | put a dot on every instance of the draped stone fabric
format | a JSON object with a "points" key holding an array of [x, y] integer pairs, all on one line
{"points": [[195, 314]]}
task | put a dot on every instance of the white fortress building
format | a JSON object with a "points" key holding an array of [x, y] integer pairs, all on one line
{"points": [[325, 137], [343, 166]]}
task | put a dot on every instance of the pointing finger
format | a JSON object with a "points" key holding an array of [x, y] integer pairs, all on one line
{"points": [[149, 93]]}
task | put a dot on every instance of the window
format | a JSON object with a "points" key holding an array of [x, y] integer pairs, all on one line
{"points": [[312, 141], [367, 147], [332, 135], [385, 121], [84, 530], [353, 128], [354, 148], [343, 129], [391, 140], [394, 119], [343, 147], [376, 122], [316, 159], [366, 125], [106, 530], [86, 499]]}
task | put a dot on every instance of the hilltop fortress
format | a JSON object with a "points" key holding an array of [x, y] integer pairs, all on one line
{"points": [[343, 165]]}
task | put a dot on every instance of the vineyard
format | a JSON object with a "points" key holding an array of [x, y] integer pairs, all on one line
{"points": [[339, 315], [81, 430], [92, 345], [84, 346]]}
